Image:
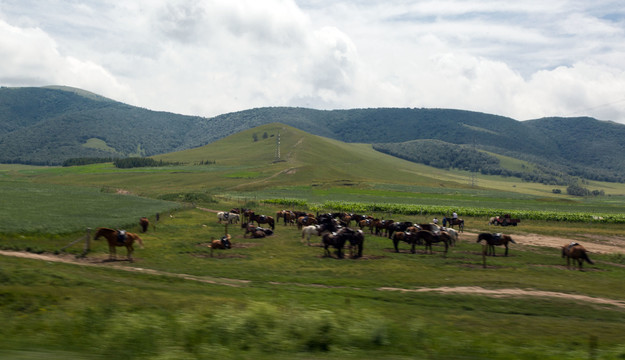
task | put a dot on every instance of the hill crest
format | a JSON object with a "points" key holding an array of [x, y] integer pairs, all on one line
{"points": [[48, 125]]}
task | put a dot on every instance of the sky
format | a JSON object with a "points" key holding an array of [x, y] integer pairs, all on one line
{"points": [[522, 59]]}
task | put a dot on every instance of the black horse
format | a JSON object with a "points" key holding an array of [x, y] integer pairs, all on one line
{"points": [[398, 226], [338, 240]]}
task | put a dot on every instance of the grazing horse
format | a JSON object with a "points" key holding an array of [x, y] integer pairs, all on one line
{"points": [[280, 215], [114, 239], [409, 237], [429, 237], [577, 252], [289, 217], [144, 223], [493, 240]]}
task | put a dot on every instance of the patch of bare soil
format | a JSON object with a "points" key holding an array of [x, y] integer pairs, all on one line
{"points": [[100, 261], [594, 244], [476, 290]]}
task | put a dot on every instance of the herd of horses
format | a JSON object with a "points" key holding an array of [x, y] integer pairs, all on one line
{"points": [[335, 232]]}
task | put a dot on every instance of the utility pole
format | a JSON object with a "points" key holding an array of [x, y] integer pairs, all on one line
{"points": [[277, 148]]}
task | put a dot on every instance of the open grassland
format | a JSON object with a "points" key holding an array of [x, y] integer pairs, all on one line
{"points": [[36, 208], [278, 298]]}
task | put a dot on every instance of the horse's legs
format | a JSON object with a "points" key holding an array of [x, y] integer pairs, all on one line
{"points": [[506, 250], [112, 252], [129, 251]]}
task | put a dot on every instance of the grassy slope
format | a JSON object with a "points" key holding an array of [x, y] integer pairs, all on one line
{"points": [[285, 276], [294, 295]]}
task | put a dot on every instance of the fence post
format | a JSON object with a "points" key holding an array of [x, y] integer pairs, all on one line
{"points": [[484, 248], [87, 246]]}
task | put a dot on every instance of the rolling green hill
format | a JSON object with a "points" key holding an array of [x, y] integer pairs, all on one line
{"points": [[47, 126]]}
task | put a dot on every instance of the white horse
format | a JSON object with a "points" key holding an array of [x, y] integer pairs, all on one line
{"points": [[309, 230], [230, 218], [453, 234]]}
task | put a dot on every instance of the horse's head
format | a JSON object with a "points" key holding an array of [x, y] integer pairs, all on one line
{"points": [[102, 232]]}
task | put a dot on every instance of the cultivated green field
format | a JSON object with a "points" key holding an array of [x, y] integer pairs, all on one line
{"points": [[276, 298]]}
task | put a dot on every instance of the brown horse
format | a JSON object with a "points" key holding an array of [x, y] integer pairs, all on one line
{"points": [[493, 240], [262, 219], [289, 217], [113, 238], [306, 220], [452, 222], [144, 223], [577, 252], [409, 237], [366, 223], [256, 231], [430, 237], [223, 243]]}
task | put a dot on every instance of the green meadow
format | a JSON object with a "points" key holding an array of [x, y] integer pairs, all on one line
{"points": [[277, 298]]}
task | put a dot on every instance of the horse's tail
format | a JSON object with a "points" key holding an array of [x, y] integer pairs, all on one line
{"points": [[585, 256], [564, 251], [512, 241], [140, 241]]}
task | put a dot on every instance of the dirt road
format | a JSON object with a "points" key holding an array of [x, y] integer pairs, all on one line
{"points": [[596, 245]]}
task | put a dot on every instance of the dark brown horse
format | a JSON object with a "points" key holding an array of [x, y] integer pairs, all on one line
{"points": [[144, 223], [452, 222], [493, 240], [430, 237], [262, 219], [114, 239], [338, 239], [577, 252]]}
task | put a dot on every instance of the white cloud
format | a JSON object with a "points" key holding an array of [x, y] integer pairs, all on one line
{"points": [[523, 59], [30, 58]]}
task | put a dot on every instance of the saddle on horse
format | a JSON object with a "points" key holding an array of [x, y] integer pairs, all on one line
{"points": [[121, 236]]}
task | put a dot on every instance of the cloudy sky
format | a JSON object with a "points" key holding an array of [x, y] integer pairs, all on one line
{"points": [[524, 59]]}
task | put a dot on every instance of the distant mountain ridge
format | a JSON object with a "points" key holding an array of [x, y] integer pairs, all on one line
{"points": [[47, 125]]}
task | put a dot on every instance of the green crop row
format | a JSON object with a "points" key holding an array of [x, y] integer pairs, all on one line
{"points": [[409, 209]]}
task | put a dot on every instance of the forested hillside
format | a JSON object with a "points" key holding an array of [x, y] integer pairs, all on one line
{"points": [[52, 124]]}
